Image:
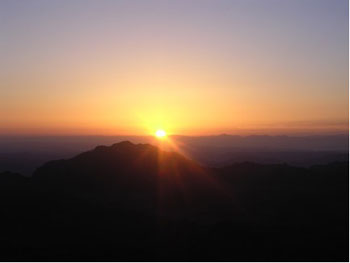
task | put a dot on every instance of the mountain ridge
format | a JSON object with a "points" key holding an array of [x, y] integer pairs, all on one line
{"points": [[128, 202]]}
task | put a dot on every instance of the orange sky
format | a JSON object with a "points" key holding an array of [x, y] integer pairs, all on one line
{"points": [[132, 68]]}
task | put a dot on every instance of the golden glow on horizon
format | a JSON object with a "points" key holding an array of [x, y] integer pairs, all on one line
{"points": [[117, 75]]}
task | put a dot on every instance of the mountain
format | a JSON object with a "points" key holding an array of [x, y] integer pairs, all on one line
{"points": [[23, 154], [131, 176], [135, 202], [337, 143], [303, 151]]}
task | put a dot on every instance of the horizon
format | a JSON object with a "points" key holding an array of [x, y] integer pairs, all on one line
{"points": [[174, 130], [331, 134], [186, 135]]}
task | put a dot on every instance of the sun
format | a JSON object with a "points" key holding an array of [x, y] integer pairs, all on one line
{"points": [[160, 134]]}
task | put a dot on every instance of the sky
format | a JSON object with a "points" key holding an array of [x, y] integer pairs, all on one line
{"points": [[192, 67]]}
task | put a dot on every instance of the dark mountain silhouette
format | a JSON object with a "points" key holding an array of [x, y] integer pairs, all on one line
{"points": [[132, 202], [23, 154]]}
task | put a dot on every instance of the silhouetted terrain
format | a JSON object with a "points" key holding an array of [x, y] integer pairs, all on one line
{"points": [[132, 202], [24, 154]]}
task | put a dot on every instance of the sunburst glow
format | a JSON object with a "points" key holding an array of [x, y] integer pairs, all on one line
{"points": [[160, 134]]}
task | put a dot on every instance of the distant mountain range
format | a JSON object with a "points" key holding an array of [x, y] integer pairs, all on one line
{"points": [[24, 154], [135, 202], [338, 143]]}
